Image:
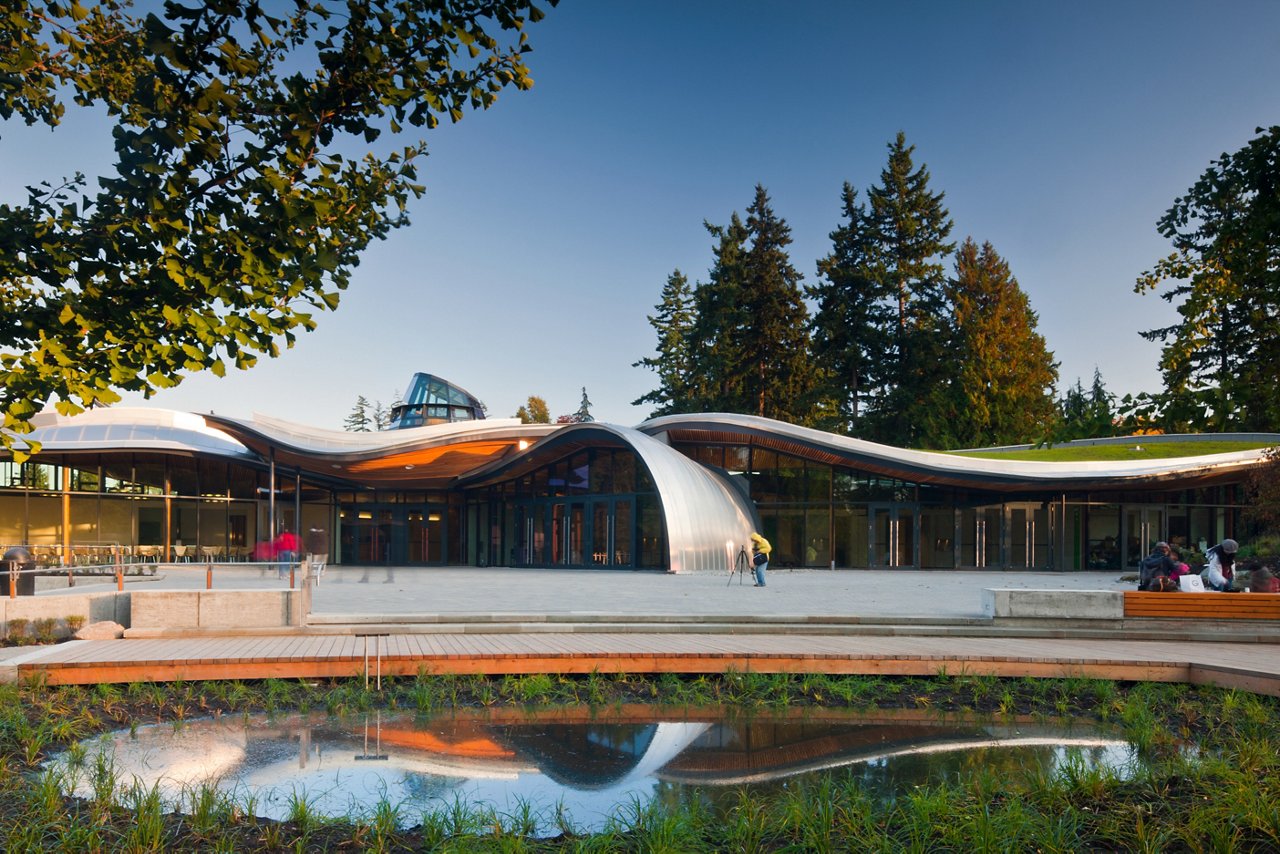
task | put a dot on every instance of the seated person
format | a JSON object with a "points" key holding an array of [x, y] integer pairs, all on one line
{"points": [[1180, 567], [1158, 564], [1261, 580]]}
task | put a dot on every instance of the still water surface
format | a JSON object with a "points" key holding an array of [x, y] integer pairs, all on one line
{"points": [[589, 767]]}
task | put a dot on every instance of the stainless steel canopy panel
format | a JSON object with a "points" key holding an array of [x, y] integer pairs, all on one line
{"points": [[706, 519], [127, 428], [952, 469]]}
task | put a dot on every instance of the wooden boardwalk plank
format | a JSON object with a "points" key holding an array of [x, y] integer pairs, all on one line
{"points": [[1249, 666]]}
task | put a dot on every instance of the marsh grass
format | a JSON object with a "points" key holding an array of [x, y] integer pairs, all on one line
{"points": [[1211, 780]]}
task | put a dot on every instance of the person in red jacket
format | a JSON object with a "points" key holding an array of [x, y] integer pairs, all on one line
{"points": [[1180, 567], [286, 549]]}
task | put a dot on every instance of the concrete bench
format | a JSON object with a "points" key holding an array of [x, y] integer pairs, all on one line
{"points": [[1205, 606]]}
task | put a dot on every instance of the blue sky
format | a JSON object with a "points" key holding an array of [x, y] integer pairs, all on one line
{"points": [[1059, 133]]}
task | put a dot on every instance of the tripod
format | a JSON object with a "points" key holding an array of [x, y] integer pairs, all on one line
{"points": [[741, 566]]}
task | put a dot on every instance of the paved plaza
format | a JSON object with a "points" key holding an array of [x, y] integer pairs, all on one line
{"points": [[868, 594]]}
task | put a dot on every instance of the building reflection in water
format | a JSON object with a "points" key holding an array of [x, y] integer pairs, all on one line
{"points": [[587, 767]]}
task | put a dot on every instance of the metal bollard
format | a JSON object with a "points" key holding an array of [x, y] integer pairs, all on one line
{"points": [[208, 577], [292, 567], [13, 579]]}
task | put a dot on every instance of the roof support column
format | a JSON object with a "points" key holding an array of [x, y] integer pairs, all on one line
{"points": [[271, 496], [297, 507]]}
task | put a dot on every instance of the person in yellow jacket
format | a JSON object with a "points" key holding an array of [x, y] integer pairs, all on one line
{"points": [[760, 548]]}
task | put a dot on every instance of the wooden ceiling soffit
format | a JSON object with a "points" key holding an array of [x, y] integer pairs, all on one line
{"points": [[441, 460]]}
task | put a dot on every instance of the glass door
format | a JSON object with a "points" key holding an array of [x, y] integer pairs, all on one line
{"points": [[424, 536], [600, 522], [568, 534], [611, 532], [528, 534], [576, 532], [1030, 543], [1143, 528], [980, 536], [893, 534]]}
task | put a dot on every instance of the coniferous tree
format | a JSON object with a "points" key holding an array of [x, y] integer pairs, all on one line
{"points": [[1084, 415], [1218, 362], [714, 340], [583, 414], [358, 421], [849, 326], [1004, 375], [381, 416], [775, 348], [673, 363], [908, 228], [1073, 412], [750, 338], [1102, 409]]}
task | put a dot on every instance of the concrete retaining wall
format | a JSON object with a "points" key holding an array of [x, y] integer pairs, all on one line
{"points": [[1006, 604], [91, 607], [216, 609]]}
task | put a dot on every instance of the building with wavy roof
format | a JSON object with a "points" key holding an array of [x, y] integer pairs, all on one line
{"points": [[678, 493]]}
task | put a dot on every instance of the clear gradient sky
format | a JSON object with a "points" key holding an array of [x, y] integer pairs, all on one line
{"points": [[1059, 132]]}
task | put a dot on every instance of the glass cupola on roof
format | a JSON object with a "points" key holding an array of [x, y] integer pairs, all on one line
{"points": [[432, 400]]}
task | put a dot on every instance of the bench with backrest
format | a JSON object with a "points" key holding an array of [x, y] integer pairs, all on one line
{"points": [[1203, 606]]}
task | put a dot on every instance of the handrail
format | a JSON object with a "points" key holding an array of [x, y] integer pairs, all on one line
{"points": [[119, 567]]}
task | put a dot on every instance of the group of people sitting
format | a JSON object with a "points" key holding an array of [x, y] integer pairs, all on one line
{"points": [[1164, 568]]}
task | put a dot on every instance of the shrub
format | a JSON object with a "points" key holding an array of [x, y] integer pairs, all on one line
{"points": [[46, 629], [17, 631]]}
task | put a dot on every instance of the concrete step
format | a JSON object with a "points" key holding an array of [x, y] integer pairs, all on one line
{"points": [[638, 625], [586, 618]]}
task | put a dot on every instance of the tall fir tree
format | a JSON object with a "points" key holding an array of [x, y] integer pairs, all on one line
{"points": [[850, 323], [714, 342], [583, 415], [776, 379], [750, 335], [358, 421], [1004, 375], [381, 416], [674, 361], [908, 230]]}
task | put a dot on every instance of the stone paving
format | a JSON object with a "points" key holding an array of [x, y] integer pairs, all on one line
{"points": [[870, 594]]}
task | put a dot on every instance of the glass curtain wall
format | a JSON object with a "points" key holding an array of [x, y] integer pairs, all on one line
{"points": [[150, 507], [818, 515], [595, 508], [399, 528]]}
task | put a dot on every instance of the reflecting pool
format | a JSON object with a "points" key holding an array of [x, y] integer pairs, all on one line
{"points": [[586, 766]]}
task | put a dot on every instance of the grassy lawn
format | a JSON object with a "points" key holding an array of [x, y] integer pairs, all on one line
{"points": [[1135, 450]]}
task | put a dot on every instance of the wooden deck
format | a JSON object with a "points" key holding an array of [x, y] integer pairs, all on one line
{"points": [[1249, 666]]}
